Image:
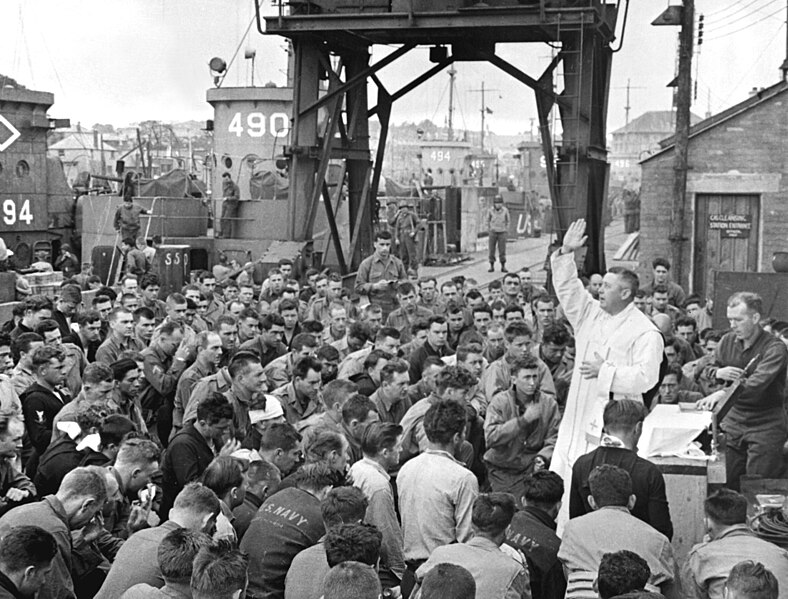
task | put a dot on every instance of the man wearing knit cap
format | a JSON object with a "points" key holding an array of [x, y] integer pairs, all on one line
{"points": [[67, 262], [126, 373]]}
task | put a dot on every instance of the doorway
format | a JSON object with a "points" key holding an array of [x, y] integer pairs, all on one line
{"points": [[727, 228]]}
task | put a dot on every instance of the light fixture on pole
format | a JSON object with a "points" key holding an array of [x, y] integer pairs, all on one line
{"points": [[250, 54]]}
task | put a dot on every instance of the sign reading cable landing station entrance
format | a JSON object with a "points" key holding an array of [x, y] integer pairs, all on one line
{"points": [[731, 226]]}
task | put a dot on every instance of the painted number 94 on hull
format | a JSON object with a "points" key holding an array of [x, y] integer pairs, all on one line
{"points": [[14, 212]]}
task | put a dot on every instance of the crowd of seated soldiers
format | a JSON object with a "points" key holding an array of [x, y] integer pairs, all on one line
{"points": [[288, 439]]}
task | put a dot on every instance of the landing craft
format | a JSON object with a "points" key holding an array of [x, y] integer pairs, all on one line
{"points": [[36, 203]]}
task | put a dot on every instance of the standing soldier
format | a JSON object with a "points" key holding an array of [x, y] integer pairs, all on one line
{"points": [[378, 275], [230, 198], [405, 224], [127, 216], [497, 227], [67, 262]]}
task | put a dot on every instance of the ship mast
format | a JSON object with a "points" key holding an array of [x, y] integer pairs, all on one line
{"points": [[452, 74]]}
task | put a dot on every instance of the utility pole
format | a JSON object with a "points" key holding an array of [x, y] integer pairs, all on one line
{"points": [[627, 149], [627, 107], [680, 158], [452, 74]]}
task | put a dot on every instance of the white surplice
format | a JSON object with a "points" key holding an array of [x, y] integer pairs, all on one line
{"points": [[631, 346]]}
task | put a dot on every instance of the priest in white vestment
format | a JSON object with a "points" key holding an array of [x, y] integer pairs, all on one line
{"points": [[618, 351]]}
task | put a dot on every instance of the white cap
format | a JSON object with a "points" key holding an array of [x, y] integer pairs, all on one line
{"points": [[273, 409], [5, 253], [248, 455]]}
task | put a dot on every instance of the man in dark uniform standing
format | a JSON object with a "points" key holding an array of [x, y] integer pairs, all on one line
{"points": [[230, 198], [755, 428]]}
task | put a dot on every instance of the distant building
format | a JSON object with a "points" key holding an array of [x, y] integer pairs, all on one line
{"points": [[85, 151], [635, 141], [736, 215]]}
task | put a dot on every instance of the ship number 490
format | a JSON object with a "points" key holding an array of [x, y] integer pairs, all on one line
{"points": [[258, 124], [10, 215]]}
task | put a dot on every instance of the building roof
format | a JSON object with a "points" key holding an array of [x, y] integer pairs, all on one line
{"points": [[653, 121], [764, 95], [81, 141]]}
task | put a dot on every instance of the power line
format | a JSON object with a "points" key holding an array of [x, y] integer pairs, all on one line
{"points": [[755, 63], [741, 19], [716, 22], [779, 10], [724, 8]]}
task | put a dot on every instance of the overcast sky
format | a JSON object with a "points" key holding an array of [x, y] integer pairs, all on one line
{"points": [[119, 62]]}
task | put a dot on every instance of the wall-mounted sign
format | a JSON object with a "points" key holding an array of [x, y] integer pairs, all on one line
{"points": [[731, 226]]}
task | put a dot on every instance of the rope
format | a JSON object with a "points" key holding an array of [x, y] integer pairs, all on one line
{"points": [[771, 526]]}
